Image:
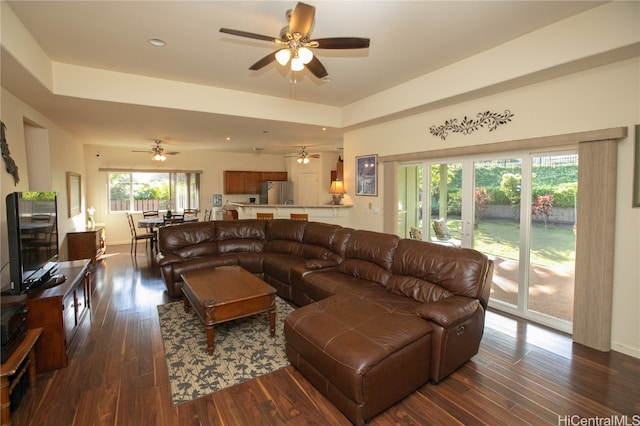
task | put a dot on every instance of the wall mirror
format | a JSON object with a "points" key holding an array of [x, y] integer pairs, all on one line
{"points": [[73, 193]]}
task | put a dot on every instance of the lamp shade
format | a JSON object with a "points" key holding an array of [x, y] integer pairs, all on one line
{"points": [[337, 187], [282, 56], [296, 64], [305, 55]]}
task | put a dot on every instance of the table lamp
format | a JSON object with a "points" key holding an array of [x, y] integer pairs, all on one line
{"points": [[337, 190]]}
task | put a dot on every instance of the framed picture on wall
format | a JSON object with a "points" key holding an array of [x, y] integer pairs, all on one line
{"points": [[73, 193], [636, 170], [367, 175]]}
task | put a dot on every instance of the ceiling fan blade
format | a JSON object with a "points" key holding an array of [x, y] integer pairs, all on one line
{"points": [[301, 19], [171, 153], [316, 68], [342, 43], [264, 61], [148, 152], [247, 34]]}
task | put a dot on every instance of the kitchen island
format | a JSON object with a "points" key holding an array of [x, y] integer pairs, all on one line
{"points": [[327, 213]]}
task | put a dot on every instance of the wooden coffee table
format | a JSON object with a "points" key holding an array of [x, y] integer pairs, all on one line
{"points": [[225, 293]]}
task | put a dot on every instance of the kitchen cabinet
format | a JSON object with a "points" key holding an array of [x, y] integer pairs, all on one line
{"points": [[252, 182], [248, 182], [274, 176], [338, 173]]}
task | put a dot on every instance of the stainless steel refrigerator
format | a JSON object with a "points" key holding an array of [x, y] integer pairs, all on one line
{"points": [[276, 192]]}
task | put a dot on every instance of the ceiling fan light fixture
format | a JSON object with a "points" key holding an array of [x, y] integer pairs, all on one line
{"points": [[159, 157], [305, 55], [283, 56], [297, 64]]}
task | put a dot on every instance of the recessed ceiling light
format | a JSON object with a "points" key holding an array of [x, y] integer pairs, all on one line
{"points": [[157, 42], [326, 79], [228, 138]]}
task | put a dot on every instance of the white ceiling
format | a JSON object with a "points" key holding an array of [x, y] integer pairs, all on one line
{"points": [[408, 39]]}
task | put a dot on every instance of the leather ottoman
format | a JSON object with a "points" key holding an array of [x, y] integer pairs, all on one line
{"points": [[358, 354]]}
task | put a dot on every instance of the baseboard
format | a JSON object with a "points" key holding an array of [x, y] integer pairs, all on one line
{"points": [[634, 352]]}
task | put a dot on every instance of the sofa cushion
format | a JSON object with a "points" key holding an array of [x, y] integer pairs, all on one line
{"points": [[188, 239], [416, 288], [322, 284], [374, 247], [285, 236], [460, 271], [283, 229], [240, 236], [279, 265], [365, 270]]}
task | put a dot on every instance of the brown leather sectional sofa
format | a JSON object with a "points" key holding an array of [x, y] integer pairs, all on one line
{"points": [[380, 315]]}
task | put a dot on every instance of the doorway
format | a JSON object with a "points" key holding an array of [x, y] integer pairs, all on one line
{"points": [[481, 203]]}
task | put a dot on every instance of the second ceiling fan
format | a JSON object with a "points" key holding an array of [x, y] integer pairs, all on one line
{"points": [[295, 44], [159, 154], [303, 156]]}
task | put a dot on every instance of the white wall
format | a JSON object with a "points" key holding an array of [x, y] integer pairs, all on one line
{"points": [[65, 154], [604, 97]]}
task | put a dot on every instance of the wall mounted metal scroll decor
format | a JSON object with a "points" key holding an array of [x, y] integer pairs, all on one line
{"points": [[467, 126], [10, 165]]}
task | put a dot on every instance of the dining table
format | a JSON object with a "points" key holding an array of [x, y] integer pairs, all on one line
{"points": [[152, 223]]}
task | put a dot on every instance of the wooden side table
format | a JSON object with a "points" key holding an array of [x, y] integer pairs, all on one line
{"points": [[17, 364]]}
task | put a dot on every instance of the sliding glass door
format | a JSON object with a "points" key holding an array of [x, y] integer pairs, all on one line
{"points": [[480, 203], [496, 229]]}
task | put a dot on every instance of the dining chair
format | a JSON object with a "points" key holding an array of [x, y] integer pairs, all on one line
{"points": [[148, 214], [264, 216], [300, 216], [190, 212], [207, 215], [176, 218], [147, 237]]}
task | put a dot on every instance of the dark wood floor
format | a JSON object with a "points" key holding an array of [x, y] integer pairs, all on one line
{"points": [[524, 374]]}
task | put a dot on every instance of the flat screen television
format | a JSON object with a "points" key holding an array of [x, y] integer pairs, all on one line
{"points": [[32, 230]]}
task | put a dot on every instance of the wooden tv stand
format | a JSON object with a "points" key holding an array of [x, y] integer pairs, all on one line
{"points": [[59, 311]]}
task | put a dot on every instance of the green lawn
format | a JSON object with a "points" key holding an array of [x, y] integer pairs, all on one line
{"points": [[553, 247]]}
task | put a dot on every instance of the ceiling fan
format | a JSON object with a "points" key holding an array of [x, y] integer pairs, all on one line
{"points": [[158, 152], [303, 156], [295, 44]]}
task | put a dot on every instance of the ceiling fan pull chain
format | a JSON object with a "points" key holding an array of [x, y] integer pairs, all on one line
{"points": [[294, 85]]}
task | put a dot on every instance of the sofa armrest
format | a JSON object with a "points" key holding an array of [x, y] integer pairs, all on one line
{"points": [[449, 311], [167, 258], [313, 264]]}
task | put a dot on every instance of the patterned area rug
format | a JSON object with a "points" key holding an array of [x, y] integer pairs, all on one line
{"points": [[244, 349]]}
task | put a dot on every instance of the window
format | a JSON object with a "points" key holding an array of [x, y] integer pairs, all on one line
{"points": [[482, 202], [139, 191]]}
